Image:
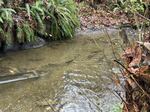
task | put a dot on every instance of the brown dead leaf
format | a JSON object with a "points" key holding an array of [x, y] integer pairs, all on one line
{"points": [[116, 80], [137, 57], [144, 70], [128, 55], [133, 70]]}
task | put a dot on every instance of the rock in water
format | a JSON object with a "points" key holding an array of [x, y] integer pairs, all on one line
{"points": [[39, 42]]}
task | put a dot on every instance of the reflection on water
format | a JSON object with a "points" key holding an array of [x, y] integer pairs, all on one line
{"points": [[74, 77]]}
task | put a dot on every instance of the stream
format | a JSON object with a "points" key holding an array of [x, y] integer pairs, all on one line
{"points": [[75, 76]]}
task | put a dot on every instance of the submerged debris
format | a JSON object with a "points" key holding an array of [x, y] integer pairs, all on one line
{"points": [[18, 77]]}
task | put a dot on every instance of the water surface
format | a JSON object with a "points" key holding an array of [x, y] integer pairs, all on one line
{"points": [[74, 76]]}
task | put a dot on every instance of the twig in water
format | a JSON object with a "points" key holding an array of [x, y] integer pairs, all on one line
{"points": [[112, 47], [48, 104], [123, 66], [120, 97], [96, 43]]}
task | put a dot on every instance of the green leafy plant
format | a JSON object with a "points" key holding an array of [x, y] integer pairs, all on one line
{"points": [[63, 18], [6, 23], [54, 17], [136, 5], [6, 15], [25, 33], [37, 12], [51, 17], [130, 5], [117, 108]]}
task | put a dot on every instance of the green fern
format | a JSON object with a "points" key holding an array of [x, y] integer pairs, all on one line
{"points": [[6, 23], [20, 34], [28, 32], [56, 17], [6, 15], [63, 18], [37, 12]]}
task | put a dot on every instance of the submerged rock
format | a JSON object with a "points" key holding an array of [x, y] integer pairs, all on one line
{"points": [[39, 42], [36, 44]]}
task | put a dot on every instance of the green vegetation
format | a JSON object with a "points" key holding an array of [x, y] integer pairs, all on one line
{"points": [[22, 20], [117, 108], [138, 10], [130, 5], [6, 23]]}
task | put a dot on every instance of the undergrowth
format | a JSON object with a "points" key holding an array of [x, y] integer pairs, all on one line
{"points": [[52, 18]]}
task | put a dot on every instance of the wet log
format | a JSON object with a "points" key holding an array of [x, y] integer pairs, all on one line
{"points": [[18, 77]]}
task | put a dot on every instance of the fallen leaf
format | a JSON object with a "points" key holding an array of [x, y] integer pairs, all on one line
{"points": [[137, 57], [116, 80], [128, 55]]}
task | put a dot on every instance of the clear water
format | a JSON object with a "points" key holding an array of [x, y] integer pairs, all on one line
{"points": [[74, 76]]}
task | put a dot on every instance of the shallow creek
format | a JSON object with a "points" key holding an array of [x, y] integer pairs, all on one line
{"points": [[74, 76]]}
